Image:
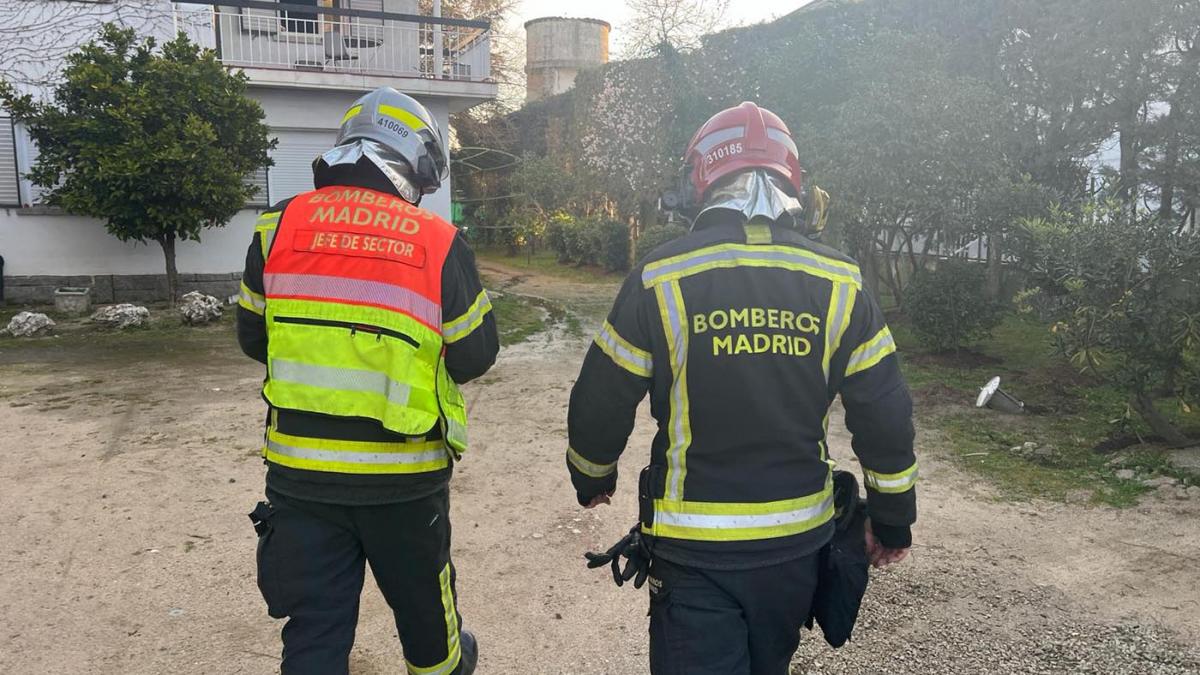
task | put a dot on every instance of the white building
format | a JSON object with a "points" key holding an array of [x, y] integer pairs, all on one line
{"points": [[306, 60]]}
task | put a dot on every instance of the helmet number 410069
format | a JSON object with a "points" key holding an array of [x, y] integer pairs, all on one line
{"points": [[723, 152], [393, 126]]}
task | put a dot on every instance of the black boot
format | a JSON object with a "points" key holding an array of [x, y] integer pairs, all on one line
{"points": [[470, 653]]}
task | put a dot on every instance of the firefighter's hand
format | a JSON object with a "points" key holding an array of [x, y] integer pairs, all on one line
{"points": [[879, 555], [602, 498]]}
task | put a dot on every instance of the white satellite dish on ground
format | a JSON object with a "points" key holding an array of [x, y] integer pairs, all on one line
{"points": [[992, 396]]}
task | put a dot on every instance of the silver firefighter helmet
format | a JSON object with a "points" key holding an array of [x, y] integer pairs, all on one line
{"points": [[399, 136]]}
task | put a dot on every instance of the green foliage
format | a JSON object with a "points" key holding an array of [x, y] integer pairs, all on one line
{"points": [[589, 241], [558, 234], [542, 182], [156, 143], [1126, 292], [613, 250], [948, 306], [657, 235]]}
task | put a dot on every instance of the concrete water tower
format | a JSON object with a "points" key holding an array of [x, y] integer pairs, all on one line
{"points": [[557, 48]]}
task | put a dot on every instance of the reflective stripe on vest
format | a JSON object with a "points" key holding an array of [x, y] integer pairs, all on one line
{"points": [[353, 311], [318, 454], [343, 379], [376, 293]]}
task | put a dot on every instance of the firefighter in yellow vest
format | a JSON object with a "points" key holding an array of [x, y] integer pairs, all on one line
{"points": [[368, 313], [743, 333]]}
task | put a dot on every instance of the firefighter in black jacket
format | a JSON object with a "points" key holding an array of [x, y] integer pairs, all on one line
{"points": [[743, 332], [368, 312]]}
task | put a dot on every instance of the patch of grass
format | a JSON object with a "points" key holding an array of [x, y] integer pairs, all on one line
{"points": [[1073, 415], [983, 443], [518, 318], [546, 262]]}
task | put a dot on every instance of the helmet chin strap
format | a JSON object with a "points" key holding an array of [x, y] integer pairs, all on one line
{"points": [[755, 194], [391, 167]]}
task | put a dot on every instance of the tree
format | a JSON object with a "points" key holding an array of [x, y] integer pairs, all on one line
{"points": [[909, 157], [1126, 288], [157, 143], [678, 25]]}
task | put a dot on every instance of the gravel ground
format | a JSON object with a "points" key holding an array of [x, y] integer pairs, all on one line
{"points": [[941, 616], [127, 551]]}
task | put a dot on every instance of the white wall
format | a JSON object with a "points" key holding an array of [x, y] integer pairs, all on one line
{"points": [[35, 244], [62, 245], [317, 109]]}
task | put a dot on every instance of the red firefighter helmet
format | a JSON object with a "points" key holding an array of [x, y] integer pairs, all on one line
{"points": [[739, 139]]}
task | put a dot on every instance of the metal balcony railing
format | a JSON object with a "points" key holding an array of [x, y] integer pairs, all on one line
{"points": [[347, 39]]}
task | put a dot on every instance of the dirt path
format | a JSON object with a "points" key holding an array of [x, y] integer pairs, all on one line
{"points": [[125, 549]]}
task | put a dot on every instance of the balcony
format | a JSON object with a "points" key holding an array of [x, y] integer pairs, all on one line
{"points": [[313, 44]]}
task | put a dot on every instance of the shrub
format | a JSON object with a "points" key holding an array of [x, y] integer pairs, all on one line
{"points": [[657, 235], [558, 233], [579, 246], [613, 250], [589, 241], [1127, 292], [948, 306]]}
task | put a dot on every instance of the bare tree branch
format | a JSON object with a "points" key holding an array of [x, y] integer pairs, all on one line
{"points": [[679, 24], [38, 36]]}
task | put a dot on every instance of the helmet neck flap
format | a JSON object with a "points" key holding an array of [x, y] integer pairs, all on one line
{"points": [[756, 194], [389, 162]]}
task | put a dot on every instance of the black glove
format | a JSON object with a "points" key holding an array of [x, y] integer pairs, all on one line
{"points": [[588, 488], [633, 548]]}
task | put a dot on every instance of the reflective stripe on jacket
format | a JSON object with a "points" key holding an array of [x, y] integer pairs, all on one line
{"points": [[743, 336]]}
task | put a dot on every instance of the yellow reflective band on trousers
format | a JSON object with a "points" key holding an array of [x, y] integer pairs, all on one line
{"points": [[720, 521], [357, 361], [362, 457], [841, 304], [727, 256], [892, 483], [871, 352], [453, 641], [679, 426]]}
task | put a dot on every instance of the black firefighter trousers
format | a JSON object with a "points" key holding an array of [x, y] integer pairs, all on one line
{"points": [[311, 566], [728, 622]]}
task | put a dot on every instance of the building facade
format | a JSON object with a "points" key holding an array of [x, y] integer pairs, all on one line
{"points": [[306, 61]]}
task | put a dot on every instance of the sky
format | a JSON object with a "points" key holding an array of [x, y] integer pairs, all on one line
{"points": [[615, 12]]}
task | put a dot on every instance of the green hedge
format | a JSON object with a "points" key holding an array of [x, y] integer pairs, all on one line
{"points": [[948, 306], [589, 241], [655, 236]]}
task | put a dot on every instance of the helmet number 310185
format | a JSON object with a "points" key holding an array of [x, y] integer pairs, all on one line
{"points": [[723, 152]]}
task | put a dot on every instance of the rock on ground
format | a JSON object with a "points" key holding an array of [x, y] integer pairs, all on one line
{"points": [[122, 316], [29, 324], [198, 308]]}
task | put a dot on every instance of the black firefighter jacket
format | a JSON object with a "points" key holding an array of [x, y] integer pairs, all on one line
{"points": [[744, 335]]}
